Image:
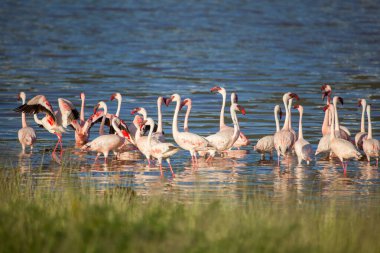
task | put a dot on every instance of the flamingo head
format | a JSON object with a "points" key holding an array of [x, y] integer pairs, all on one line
{"points": [[340, 99], [100, 105], [166, 101], [82, 96], [21, 96], [240, 109], [116, 95], [136, 110], [298, 107], [185, 102], [294, 96], [326, 91], [326, 107], [215, 89], [175, 98]]}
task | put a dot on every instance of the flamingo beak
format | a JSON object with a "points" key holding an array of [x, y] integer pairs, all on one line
{"points": [[135, 110], [341, 100], [323, 87], [96, 108], [215, 89], [294, 95], [236, 99], [18, 97], [325, 108], [142, 124], [113, 97], [241, 109], [296, 106], [166, 101], [324, 94], [359, 102], [280, 113], [184, 102]]}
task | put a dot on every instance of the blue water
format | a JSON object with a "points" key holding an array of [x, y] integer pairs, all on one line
{"points": [[143, 49]]}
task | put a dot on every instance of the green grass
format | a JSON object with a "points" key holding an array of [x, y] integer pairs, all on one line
{"points": [[34, 219]]}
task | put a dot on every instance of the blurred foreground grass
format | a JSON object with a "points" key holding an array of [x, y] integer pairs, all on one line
{"points": [[72, 219]]}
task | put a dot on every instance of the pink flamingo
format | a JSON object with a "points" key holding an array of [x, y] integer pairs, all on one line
{"points": [[56, 122], [343, 149], [160, 150], [187, 140], [26, 135], [339, 131], [284, 139], [302, 147], [266, 144], [242, 140], [104, 143], [362, 135], [371, 146], [82, 133], [224, 140]]}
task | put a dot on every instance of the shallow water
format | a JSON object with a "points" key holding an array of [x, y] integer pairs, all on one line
{"points": [[146, 49]]}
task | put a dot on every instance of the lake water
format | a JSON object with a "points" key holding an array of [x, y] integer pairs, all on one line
{"points": [[144, 49]]}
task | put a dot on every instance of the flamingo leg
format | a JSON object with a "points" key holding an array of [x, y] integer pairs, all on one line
{"points": [[170, 166], [162, 174]]}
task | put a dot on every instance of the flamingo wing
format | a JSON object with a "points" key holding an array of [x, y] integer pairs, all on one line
{"points": [[34, 106], [68, 112]]}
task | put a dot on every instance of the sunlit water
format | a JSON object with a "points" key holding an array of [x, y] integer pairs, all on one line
{"points": [[147, 49]]}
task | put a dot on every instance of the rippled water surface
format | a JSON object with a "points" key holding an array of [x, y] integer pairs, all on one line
{"points": [[144, 49]]}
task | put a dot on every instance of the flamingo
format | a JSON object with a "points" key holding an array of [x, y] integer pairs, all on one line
{"points": [[339, 131], [223, 140], [56, 122], [283, 139], [371, 146], [362, 135], [290, 123], [142, 111], [186, 102], [187, 140], [266, 144], [326, 92], [82, 133], [26, 135], [242, 140], [343, 149], [160, 150], [105, 143], [302, 147]]}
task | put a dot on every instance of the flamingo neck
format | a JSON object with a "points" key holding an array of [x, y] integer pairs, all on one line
{"points": [[37, 120], [332, 126], [277, 121], [300, 132], [159, 104], [175, 119], [336, 118], [82, 110], [117, 129], [362, 123], [369, 123], [286, 123], [290, 113], [23, 116], [101, 129], [222, 124], [119, 100], [150, 134], [186, 123], [236, 134], [326, 122], [143, 113]]}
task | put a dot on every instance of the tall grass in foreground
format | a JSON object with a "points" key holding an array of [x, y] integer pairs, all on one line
{"points": [[78, 220]]}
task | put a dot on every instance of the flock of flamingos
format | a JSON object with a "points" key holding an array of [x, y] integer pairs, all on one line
{"points": [[336, 139]]}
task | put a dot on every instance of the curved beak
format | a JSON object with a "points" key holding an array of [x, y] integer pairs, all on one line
{"points": [[294, 95], [18, 97], [142, 124], [135, 110], [113, 97], [96, 108], [166, 101], [341, 100], [325, 108], [296, 106], [241, 109], [215, 89], [184, 102], [359, 102]]}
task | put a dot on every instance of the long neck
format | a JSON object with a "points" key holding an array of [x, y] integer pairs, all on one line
{"points": [[175, 119], [186, 124], [23, 116], [290, 113], [369, 123], [336, 118], [326, 122], [332, 132], [159, 128], [117, 129], [119, 100], [286, 123], [277, 121], [37, 120], [362, 124], [150, 134], [82, 110], [222, 124], [300, 133], [101, 129], [236, 125]]}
